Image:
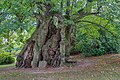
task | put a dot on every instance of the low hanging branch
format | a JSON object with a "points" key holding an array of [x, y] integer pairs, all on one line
{"points": [[81, 14], [103, 27]]}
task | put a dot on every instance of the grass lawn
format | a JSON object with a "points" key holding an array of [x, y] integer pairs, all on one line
{"points": [[7, 65], [105, 67]]}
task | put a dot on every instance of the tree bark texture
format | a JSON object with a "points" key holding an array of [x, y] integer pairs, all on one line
{"points": [[46, 44]]}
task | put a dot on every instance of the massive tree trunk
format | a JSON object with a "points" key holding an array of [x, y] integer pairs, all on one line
{"points": [[48, 42], [45, 44]]}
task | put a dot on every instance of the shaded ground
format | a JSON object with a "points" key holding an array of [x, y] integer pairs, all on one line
{"points": [[106, 67]]}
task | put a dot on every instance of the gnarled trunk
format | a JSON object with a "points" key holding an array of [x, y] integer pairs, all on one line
{"points": [[46, 44]]}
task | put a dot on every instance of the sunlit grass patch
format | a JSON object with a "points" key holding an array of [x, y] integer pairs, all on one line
{"points": [[7, 65]]}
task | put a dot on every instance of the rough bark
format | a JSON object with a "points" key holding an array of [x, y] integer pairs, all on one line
{"points": [[45, 44], [26, 56], [68, 40]]}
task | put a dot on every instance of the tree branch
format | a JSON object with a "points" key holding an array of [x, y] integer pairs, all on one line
{"points": [[98, 25], [39, 19], [38, 16], [83, 14]]}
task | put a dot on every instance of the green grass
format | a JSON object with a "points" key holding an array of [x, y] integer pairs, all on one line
{"points": [[69, 75], [7, 65], [16, 75]]}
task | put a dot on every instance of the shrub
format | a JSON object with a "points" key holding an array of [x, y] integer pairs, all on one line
{"points": [[96, 47], [6, 58]]}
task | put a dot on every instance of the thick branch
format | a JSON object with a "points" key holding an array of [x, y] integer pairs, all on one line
{"points": [[39, 19], [98, 25], [68, 9], [82, 14], [45, 7]]}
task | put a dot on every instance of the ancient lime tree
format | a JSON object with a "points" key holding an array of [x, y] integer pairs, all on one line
{"points": [[56, 20]]}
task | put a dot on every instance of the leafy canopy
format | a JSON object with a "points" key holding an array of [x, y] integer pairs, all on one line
{"points": [[92, 21]]}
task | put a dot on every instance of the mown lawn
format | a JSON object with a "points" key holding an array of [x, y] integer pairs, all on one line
{"points": [[106, 67], [7, 65]]}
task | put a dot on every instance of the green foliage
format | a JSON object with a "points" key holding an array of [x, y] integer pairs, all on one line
{"points": [[16, 23], [95, 40], [68, 22], [6, 58], [95, 49], [102, 29]]}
